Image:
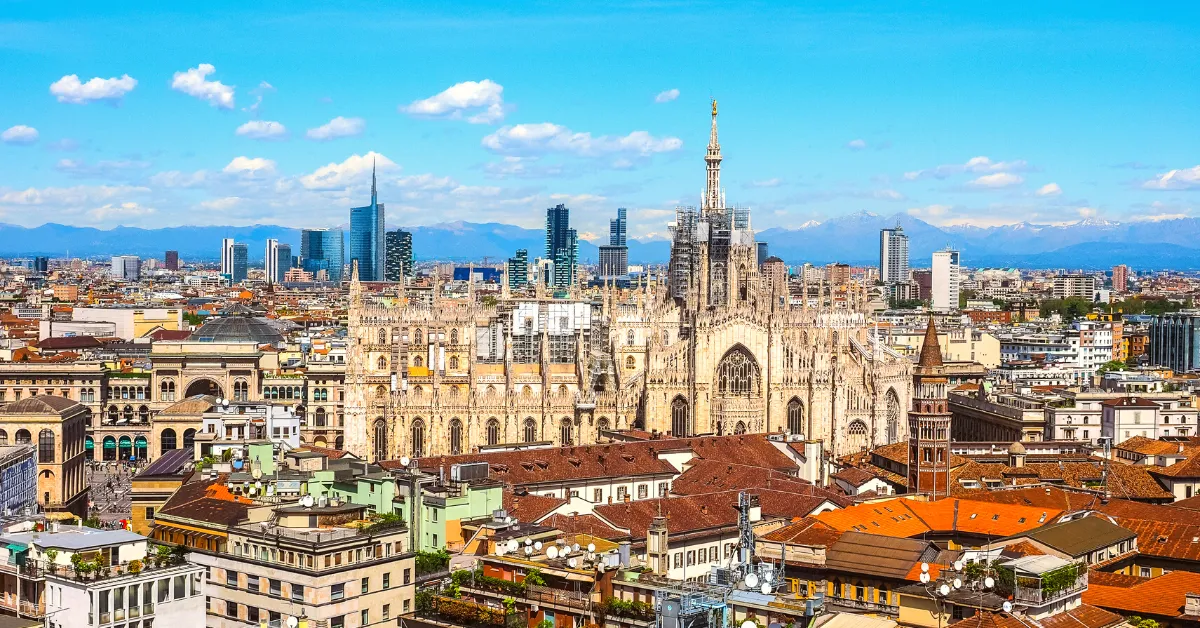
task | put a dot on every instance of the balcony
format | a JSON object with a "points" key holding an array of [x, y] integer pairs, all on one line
{"points": [[23, 608], [1040, 580], [863, 605]]}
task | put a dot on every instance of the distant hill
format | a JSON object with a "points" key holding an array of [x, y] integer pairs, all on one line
{"points": [[852, 239]]}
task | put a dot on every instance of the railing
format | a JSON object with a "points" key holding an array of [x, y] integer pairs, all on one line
{"points": [[558, 596], [28, 569], [1036, 596], [24, 608], [863, 605]]}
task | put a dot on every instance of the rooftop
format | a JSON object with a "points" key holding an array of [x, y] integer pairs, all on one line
{"points": [[73, 538]]}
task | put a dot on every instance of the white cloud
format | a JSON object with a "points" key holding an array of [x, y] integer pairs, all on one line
{"points": [[976, 165], [192, 82], [483, 100], [1183, 179], [224, 203], [338, 176], [69, 89], [177, 179], [667, 96], [997, 180], [262, 130], [552, 138], [250, 167], [1159, 217], [66, 201], [258, 93], [1087, 212], [888, 195], [66, 144], [857, 144], [337, 127], [1050, 189], [19, 134], [766, 183], [107, 169], [119, 211]]}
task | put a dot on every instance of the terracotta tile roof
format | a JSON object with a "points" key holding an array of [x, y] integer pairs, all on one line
{"points": [[1023, 548], [808, 531], [893, 518], [1129, 402], [1125, 481], [530, 508], [328, 452], [1058, 498], [710, 476], [906, 518], [1154, 447], [993, 620], [208, 501], [1111, 579], [581, 524], [1189, 468], [1171, 541], [1082, 616], [1163, 596], [693, 513], [854, 476], [1191, 503]]}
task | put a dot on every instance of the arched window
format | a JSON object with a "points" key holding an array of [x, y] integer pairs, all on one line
{"points": [[113, 414], [383, 340], [453, 336], [166, 441], [380, 391], [380, 440], [893, 416], [530, 430], [382, 363], [320, 417], [666, 337], [46, 447], [417, 337], [629, 338], [124, 448], [417, 361], [679, 418], [127, 413], [109, 446], [493, 432], [23, 437], [740, 428], [856, 436], [418, 438], [3, 438], [455, 437], [601, 426], [565, 433], [630, 363], [189, 438], [795, 417], [143, 414], [737, 374], [454, 362]]}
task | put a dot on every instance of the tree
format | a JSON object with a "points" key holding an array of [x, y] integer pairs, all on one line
{"points": [[1111, 365]]}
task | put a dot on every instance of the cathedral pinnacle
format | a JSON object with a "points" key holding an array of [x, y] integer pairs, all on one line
{"points": [[712, 159]]}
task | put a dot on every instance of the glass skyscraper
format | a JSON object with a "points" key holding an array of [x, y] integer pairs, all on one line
{"points": [[399, 255], [562, 247], [367, 237], [240, 261], [323, 250]]}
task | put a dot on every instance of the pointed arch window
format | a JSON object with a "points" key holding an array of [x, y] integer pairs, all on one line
{"points": [[679, 418], [455, 437], [493, 432], [795, 417], [418, 438], [383, 339], [565, 433], [380, 439], [530, 430], [737, 374]]}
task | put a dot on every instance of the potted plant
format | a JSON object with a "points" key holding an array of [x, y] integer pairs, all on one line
{"points": [[135, 567]]}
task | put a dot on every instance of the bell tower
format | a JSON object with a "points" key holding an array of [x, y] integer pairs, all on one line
{"points": [[929, 422]]}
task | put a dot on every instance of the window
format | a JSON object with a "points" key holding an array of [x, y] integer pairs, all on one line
{"points": [[231, 579], [387, 611], [407, 576], [179, 584], [337, 592], [493, 432], [387, 582], [366, 587], [643, 491], [46, 447], [691, 558], [365, 617], [406, 602], [597, 495], [149, 513], [662, 489], [275, 588], [297, 593], [337, 622], [530, 430], [678, 560], [1145, 572], [621, 492]]}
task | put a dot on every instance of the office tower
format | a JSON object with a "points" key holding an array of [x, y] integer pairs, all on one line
{"points": [[238, 259], [945, 281], [126, 267], [367, 244], [227, 257], [893, 255], [762, 253], [922, 280], [616, 229], [277, 260], [1120, 278], [399, 255], [41, 265], [838, 274], [1082, 286], [171, 260], [323, 250], [561, 246], [518, 270]]}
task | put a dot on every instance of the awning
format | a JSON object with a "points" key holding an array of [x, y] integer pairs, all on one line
{"points": [[88, 443], [126, 442], [15, 547], [140, 441], [109, 443]]}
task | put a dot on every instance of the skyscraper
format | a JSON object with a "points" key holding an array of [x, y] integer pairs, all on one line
{"points": [[171, 260], [1120, 278], [227, 257], [518, 270], [399, 255], [126, 267], [323, 250], [893, 255], [946, 280], [277, 260], [238, 258], [614, 257], [367, 244], [561, 246], [41, 264]]}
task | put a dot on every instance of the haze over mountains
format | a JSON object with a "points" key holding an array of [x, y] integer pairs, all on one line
{"points": [[852, 239]]}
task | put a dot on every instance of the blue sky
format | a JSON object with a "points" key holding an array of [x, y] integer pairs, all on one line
{"points": [[958, 113]]}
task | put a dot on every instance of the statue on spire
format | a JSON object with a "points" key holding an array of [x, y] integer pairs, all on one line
{"points": [[712, 188]]}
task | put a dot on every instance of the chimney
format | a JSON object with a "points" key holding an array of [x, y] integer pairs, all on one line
{"points": [[704, 509], [1191, 605]]}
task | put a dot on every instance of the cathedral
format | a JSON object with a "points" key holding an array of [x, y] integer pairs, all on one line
{"points": [[711, 346]]}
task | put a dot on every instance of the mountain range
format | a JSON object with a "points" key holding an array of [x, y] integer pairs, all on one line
{"points": [[853, 239]]}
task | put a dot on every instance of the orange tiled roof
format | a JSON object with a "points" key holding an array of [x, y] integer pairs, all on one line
{"points": [[906, 518], [1163, 596]]}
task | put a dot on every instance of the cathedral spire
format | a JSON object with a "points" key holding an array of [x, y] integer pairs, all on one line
{"points": [[712, 159]]}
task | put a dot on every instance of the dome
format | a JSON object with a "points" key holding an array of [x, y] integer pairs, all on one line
{"points": [[1016, 448], [238, 329], [41, 404]]}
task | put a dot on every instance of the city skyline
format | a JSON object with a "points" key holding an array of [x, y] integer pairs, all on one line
{"points": [[197, 137]]}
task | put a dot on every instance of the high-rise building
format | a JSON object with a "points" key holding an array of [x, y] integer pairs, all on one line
{"points": [[1120, 278], [616, 229], [762, 252], [946, 280], [561, 246], [614, 257], [323, 250], [929, 422], [126, 267], [922, 282], [41, 264], [367, 245], [277, 260], [893, 255], [838, 274], [171, 260], [518, 270], [1082, 286], [399, 255], [238, 262], [227, 257]]}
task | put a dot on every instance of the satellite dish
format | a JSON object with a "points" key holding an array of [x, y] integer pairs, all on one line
{"points": [[292, 622], [512, 545], [924, 578], [404, 461], [571, 563], [768, 577], [529, 541], [508, 520], [958, 565], [225, 402], [257, 484], [575, 547], [528, 550], [751, 581], [537, 545], [765, 589], [551, 552], [958, 583], [1007, 606], [271, 489], [307, 501], [500, 550], [749, 624], [591, 547], [989, 582], [924, 567], [944, 589]]}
